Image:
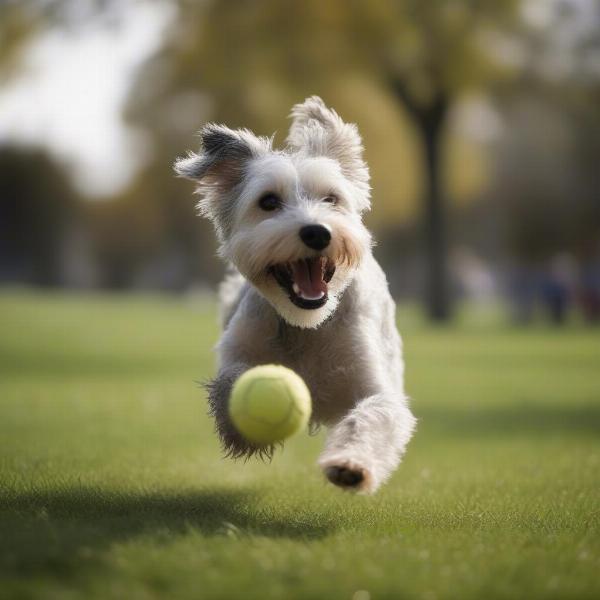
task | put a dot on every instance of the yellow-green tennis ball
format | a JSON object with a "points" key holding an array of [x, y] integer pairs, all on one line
{"points": [[269, 403]]}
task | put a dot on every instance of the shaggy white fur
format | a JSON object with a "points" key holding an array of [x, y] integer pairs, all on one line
{"points": [[304, 289]]}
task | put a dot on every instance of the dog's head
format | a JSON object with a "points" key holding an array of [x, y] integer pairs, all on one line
{"points": [[289, 220]]}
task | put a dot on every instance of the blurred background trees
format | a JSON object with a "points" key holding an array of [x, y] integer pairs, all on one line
{"points": [[480, 122], [37, 215]]}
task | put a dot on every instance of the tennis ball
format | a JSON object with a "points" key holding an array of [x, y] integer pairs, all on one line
{"points": [[269, 403]]}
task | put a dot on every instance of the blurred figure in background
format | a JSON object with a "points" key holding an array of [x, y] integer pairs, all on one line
{"points": [[559, 287], [590, 287]]}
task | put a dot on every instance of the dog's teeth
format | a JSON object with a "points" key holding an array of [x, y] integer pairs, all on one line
{"points": [[305, 297], [296, 289]]}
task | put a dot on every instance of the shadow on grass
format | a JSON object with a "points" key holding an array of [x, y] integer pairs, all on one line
{"points": [[56, 531], [514, 419]]}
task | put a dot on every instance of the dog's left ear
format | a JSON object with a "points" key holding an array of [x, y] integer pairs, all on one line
{"points": [[223, 155], [320, 131], [219, 166]]}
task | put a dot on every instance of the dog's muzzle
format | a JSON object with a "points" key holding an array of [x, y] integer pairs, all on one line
{"points": [[305, 280]]}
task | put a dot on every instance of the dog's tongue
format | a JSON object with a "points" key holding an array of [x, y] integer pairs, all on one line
{"points": [[308, 276]]}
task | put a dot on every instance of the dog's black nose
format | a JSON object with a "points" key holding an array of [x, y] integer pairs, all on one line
{"points": [[316, 237]]}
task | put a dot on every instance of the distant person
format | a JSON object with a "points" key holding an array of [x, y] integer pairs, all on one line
{"points": [[590, 291], [523, 286], [557, 287]]}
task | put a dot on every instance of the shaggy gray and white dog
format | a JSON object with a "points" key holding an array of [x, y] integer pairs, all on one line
{"points": [[305, 290]]}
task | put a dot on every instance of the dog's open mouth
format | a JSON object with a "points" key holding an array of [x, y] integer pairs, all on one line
{"points": [[305, 280]]}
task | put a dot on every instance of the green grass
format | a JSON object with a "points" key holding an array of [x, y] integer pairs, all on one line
{"points": [[112, 485]]}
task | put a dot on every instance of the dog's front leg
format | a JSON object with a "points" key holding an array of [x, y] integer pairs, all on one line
{"points": [[219, 390], [365, 446]]}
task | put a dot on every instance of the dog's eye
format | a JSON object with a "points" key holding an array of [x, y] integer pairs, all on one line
{"points": [[331, 199], [270, 201]]}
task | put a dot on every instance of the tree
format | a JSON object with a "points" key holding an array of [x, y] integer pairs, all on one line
{"points": [[547, 162], [429, 53], [38, 208], [253, 59]]}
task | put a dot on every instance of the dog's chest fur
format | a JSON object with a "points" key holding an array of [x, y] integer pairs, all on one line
{"points": [[342, 361], [330, 362], [334, 359]]}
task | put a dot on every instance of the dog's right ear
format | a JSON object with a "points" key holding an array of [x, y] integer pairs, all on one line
{"points": [[223, 156], [320, 131]]}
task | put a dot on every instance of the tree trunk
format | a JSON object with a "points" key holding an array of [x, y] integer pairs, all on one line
{"points": [[429, 119], [437, 293]]}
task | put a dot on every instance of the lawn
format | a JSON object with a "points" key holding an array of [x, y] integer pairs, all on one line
{"points": [[112, 485]]}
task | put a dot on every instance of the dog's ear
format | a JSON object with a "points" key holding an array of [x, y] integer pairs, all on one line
{"points": [[320, 131], [223, 156], [219, 167]]}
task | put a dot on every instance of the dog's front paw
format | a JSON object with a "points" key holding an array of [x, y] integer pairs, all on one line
{"points": [[345, 477], [348, 475]]}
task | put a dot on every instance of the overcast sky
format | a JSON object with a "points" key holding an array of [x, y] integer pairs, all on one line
{"points": [[69, 95]]}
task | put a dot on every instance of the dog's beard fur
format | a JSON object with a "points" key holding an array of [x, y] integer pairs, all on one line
{"points": [[255, 250]]}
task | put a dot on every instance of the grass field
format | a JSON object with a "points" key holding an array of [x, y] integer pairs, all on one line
{"points": [[112, 486]]}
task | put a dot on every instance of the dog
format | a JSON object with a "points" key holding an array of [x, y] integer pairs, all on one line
{"points": [[303, 288]]}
